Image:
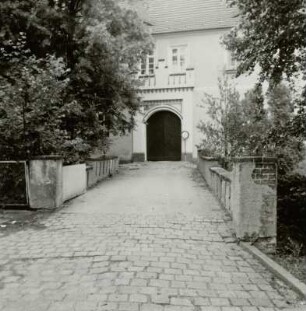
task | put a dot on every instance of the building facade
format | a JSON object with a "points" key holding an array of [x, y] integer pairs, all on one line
{"points": [[186, 64]]}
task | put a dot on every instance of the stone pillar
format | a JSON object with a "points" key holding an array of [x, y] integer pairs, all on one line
{"points": [[46, 182], [139, 139], [254, 198]]}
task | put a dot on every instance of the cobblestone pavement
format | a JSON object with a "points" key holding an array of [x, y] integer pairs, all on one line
{"points": [[153, 238]]}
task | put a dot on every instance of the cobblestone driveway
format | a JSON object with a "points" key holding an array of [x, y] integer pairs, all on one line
{"points": [[152, 238]]}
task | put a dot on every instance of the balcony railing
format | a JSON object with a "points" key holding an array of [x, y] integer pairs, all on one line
{"points": [[165, 79]]}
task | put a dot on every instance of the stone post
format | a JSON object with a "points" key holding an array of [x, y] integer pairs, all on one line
{"points": [[254, 198], [46, 182]]}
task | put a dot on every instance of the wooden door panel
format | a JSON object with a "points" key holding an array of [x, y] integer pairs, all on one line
{"points": [[164, 137]]}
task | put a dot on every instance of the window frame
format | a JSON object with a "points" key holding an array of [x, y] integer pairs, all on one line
{"points": [[147, 68], [179, 68]]}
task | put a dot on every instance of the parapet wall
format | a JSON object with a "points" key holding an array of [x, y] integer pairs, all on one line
{"points": [[50, 183], [247, 192], [101, 168]]}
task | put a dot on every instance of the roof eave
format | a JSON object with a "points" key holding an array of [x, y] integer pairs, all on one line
{"points": [[191, 30]]}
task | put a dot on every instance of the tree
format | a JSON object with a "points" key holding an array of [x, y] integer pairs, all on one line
{"points": [[271, 34], [281, 139], [32, 106], [224, 113], [237, 126], [255, 121], [100, 45], [258, 129], [284, 140]]}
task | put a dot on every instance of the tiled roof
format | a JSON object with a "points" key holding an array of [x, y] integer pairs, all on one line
{"points": [[184, 15]]}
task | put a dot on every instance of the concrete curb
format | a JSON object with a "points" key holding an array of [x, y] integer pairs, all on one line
{"points": [[276, 269]]}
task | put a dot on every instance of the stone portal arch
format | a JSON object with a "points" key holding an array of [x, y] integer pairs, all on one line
{"points": [[162, 108]]}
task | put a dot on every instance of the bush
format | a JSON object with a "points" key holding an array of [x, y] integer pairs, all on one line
{"points": [[12, 184], [67, 76], [33, 113], [292, 214]]}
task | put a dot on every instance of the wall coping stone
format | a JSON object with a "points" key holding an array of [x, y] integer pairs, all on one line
{"points": [[89, 167], [221, 172], [254, 159], [102, 158], [73, 164], [209, 158], [48, 157], [243, 159]]}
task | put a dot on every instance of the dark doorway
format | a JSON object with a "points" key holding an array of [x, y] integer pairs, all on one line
{"points": [[164, 137]]}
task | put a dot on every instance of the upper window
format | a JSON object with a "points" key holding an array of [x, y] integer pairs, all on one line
{"points": [[147, 65], [179, 58]]}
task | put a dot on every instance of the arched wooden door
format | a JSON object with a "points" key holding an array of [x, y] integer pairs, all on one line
{"points": [[164, 137]]}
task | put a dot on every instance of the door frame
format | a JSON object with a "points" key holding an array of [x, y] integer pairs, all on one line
{"points": [[153, 111]]}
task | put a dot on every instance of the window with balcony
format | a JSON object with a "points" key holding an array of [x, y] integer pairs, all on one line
{"points": [[148, 65], [179, 58]]}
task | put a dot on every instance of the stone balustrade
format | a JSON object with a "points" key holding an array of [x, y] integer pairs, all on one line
{"points": [[221, 184], [101, 168], [247, 192]]}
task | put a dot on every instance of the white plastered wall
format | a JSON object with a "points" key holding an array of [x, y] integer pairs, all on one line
{"points": [[209, 59]]}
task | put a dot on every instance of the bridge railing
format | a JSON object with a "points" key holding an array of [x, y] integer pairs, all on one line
{"points": [[101, 168], [247, 192], [45, 183], [221, 184]]}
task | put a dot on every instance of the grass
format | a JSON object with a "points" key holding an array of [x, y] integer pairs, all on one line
{"points": [[295, 265]]}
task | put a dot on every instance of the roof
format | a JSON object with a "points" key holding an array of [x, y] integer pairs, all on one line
{"points": [[185, 15]]}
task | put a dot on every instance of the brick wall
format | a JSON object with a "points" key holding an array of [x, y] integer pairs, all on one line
{"points": [[265, 173]]}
